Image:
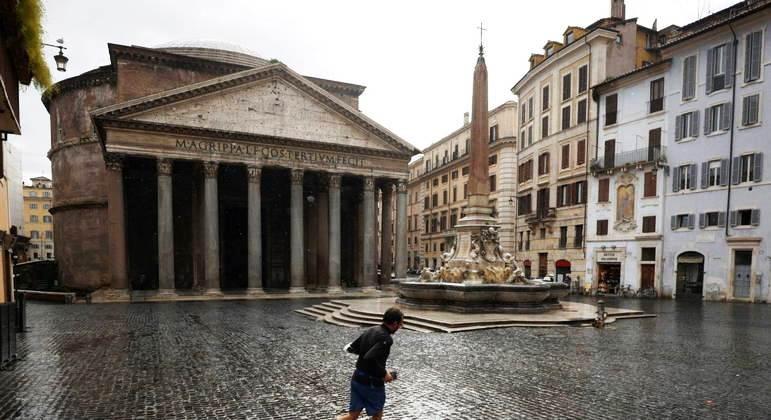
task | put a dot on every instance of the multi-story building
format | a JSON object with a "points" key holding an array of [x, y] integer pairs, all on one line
{"points": [[438, 186], [716, 205], [556, 126], [414, 210], [625, 209], [39, 226]]}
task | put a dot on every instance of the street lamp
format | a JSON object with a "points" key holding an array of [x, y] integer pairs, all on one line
{"points": [[61, 59]]}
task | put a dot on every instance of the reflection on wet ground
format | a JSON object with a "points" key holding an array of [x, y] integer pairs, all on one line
{"points": [[257, 359]]}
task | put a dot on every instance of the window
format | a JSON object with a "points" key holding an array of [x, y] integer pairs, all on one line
{"points": [[545, 126], [46, 193], [745, 217], [583, 79], [563, 195], [444, 197], [684, 178], [436, 182], [565, 156], [523, 112], [657, 95], [581, 112], [521, 242], [750, 110], [581, 152], [542, 233], [464, 170], [712, 219], [454, 174], [687, 125], [48, 219], [33, 205], [749, 168], [465, 191], [426, 203], [569, 37], [542, 202], [46, 206], [527, 241], [649, 224], [649, 189], [563, 237], [545, 98], [454, 194], [566, 117], [711, 171], [578, 241], [580, 192], [34, 234], [717, 117], [530, 108], [33, 193], [492, 183], [689, 78], [492, 160], [566, 89], [648, 254], [654, 144], [753, 56], [720, 67], [444, 179], [530, 135], [682, 221], [602, 227], [611, 107], [610, 153], [525, 171], [49, 234], [543, 164], [524, 205], [493, 133], [33, 219], [603, 190], [435, 200], [454, 218]]}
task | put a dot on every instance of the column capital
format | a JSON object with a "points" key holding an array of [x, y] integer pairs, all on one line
{"points": [[335, 180], [254, 172], [164, 166], [210, 169], [369, 183], [297, 176], [114, 161], [402, 186]]}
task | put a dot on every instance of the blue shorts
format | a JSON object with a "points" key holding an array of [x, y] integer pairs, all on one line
{"points": [[367, 397]]}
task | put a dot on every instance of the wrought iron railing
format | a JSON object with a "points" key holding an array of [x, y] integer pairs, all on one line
{"points": [[632, 157]]}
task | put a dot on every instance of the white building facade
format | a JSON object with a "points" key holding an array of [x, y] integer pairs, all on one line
{"points": [[717, 213]]}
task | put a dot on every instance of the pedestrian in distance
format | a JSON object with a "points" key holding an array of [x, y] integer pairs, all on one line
{"points": [[369, 379]]}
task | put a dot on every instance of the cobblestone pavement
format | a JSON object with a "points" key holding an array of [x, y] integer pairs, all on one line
{"points": [[257, 359]]}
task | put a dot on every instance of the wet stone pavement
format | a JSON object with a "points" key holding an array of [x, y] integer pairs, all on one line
{"points": [[258, 359]]}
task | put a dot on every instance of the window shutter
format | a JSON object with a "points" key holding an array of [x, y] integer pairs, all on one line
{"points": [[691, 220], [735, 168], [678, 127], [707, 120], [756, 54], [674, 222], [755, 217], [702, 225], [729, 57], [758, 170], [732, 218], [692, 177], [676, 180], [726, 116], [721, 219], [710, 69], [723, 172], [704, 175], [746, 110], [695, 124]]}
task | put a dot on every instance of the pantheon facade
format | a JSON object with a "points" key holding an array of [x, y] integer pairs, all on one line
{"points": [[195, 170]]}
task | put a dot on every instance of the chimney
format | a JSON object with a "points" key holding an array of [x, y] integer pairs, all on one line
{"points": [[465, 119], [617, 9]]}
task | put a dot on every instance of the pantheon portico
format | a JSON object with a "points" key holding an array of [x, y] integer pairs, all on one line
{"points": [[221, 172]]}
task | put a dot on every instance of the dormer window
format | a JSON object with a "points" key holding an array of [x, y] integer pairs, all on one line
{"points": [[549, 51], [569, 37]]}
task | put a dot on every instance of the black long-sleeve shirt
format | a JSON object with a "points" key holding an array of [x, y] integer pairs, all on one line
{"points": [[373, 347]]}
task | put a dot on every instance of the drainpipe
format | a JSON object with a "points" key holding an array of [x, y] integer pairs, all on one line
{"points": [[731, 143]]}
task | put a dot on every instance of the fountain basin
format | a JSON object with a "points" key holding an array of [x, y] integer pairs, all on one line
{"points": [[476, 298]]}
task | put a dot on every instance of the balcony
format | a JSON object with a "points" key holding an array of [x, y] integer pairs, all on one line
{"points": [[636, 157], [542, 215]]}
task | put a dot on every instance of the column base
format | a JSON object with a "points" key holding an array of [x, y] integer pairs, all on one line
{"points": [[334, 290], [297, 290], [255, 291], [213, 293], [111, 295]]}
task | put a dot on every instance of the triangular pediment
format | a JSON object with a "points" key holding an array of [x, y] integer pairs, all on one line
{"points": [[273, 101]]}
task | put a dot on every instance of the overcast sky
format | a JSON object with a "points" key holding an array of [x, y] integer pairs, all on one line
{"points": [[415, 57]]}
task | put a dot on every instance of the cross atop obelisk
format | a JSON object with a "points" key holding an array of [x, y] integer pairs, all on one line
{"points": [[481, 28]]}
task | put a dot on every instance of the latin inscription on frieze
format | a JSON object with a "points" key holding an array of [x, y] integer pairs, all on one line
{"points": [[270, 153]]}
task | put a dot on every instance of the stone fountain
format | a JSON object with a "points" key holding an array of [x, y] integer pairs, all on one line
{"points": [[476, 274]]}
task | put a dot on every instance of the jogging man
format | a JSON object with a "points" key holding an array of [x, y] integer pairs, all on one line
{"points": [[370, 376]]}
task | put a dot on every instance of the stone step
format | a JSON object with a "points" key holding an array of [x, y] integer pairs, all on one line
{"points": [[340, 317], [336, 304], [331, 306], [309, 314], [331, 320], [408, 322], [448, 326], [324, 309], [314, 310]]}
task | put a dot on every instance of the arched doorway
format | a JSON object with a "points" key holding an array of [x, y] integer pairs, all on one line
{"points": [[528, 271], [562, 270], [690, 275]]}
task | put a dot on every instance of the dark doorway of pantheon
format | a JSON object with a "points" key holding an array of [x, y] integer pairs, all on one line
{"points": [[275, 229], [140, 189], [234, 227]]}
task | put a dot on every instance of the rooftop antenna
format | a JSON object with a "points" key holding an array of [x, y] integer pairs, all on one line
{"points": [[481, 28]]}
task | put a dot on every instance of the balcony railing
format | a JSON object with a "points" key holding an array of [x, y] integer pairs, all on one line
{"points": [[542, 215], [656, 105], [632, 157]]}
